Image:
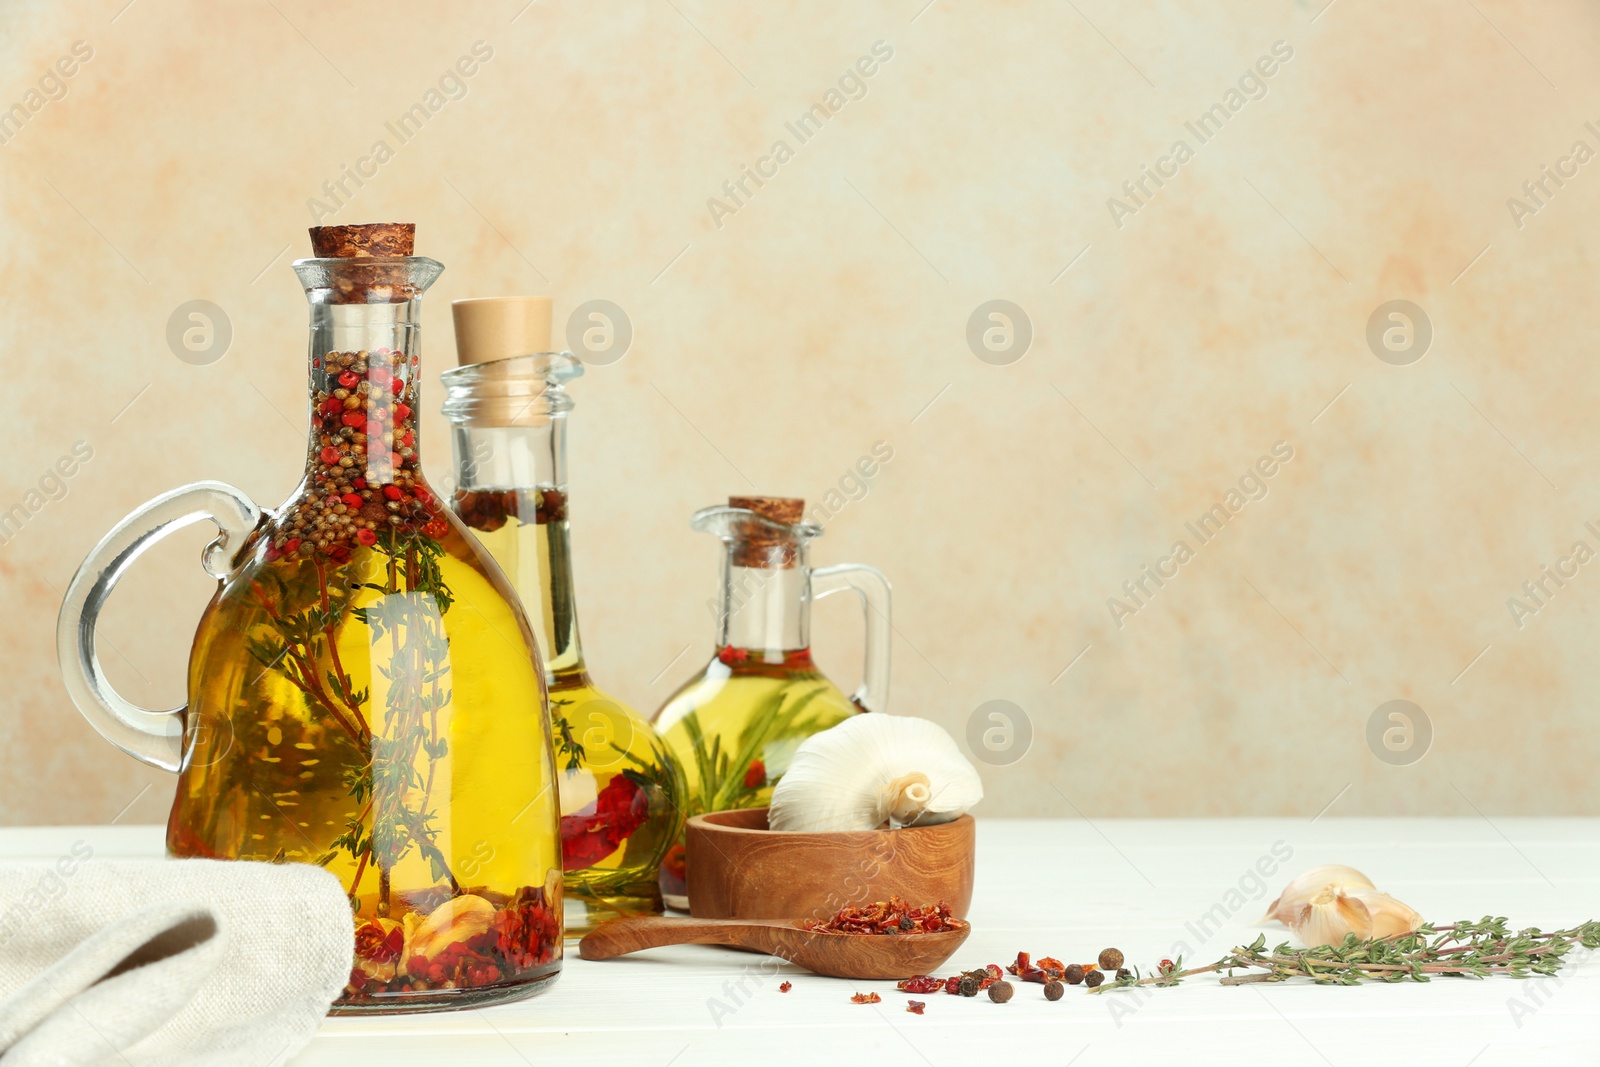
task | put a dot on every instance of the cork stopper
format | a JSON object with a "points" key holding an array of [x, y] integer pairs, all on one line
{"points": [[784, 509], [385, 239], [759, 545], [501, 327]]}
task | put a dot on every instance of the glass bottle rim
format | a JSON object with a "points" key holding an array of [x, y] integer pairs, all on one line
{"points": [[741, 525], [514, 391]]}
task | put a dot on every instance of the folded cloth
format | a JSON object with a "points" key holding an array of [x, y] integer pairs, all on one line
{"points": [[170, 962]]}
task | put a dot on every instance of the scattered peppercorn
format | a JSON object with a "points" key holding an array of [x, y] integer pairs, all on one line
{"points": [[1001, 992], [1093, 978], [785, 987], [915, 1006], [1110, 959], [969, 986], [1073, 973], [1054, 990]]}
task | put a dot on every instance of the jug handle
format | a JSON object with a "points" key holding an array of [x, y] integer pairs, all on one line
{"points": [[872, 588], [155, 737]]}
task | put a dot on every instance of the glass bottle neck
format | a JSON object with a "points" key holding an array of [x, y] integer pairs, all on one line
{"points": [[511, 490], [363, 385], [764, 609]]}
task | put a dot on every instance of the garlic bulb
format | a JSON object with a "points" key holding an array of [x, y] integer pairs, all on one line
{"points": [[872, 769], [1326, 903]]}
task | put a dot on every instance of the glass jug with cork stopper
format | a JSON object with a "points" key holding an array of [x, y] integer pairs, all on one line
{"points": [[365, 693], [621, 794], [735, 725]]}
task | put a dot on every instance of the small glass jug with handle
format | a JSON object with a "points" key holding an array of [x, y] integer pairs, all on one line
{"points": [[735, 725]]}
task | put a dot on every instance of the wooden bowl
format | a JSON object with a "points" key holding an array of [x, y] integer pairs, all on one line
{"points": [[739, 869]]}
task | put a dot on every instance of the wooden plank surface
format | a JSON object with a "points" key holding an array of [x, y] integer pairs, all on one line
{"points": [[1153, 888]]}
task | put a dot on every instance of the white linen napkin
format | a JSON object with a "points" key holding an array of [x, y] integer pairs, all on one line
{"points": [[170, 962]]}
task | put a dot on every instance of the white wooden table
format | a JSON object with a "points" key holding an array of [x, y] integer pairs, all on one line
{"points": [[1067, 889]]}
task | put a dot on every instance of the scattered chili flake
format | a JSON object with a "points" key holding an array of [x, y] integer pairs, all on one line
{"points": [[1167, 967], [1024, 963], [785, 987], [920, 983], [915, 1007], [952, 984], [866, 998], [885, 917]]}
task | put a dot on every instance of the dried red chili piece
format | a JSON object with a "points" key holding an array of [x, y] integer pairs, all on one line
{"points": [[886, 916], [920, 983], [915, 1007], [866, 998], [1024, 963], [756, 776], [785, 987], [952, 984]]}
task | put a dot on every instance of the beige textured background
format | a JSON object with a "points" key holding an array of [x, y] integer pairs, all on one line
{"points": [[830, 312]]}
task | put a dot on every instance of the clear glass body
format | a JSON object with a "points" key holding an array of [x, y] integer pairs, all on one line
{"points": [[735, 725], [366, 692], [621, 794]]}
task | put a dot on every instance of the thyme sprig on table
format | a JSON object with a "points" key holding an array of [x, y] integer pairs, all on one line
{"points": [[1463, 949]]}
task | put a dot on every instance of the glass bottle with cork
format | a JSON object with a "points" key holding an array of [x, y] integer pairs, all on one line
{"points": [[621, 793], [735, 725], [365, 692]]}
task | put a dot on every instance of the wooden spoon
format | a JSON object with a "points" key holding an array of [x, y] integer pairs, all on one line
{"points": [[833, 955]]}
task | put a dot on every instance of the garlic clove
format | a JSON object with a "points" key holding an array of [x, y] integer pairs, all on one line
{"points": [[457, 919], [1302, 888], [1390, 918], [1328, 916], [874, 769]]}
